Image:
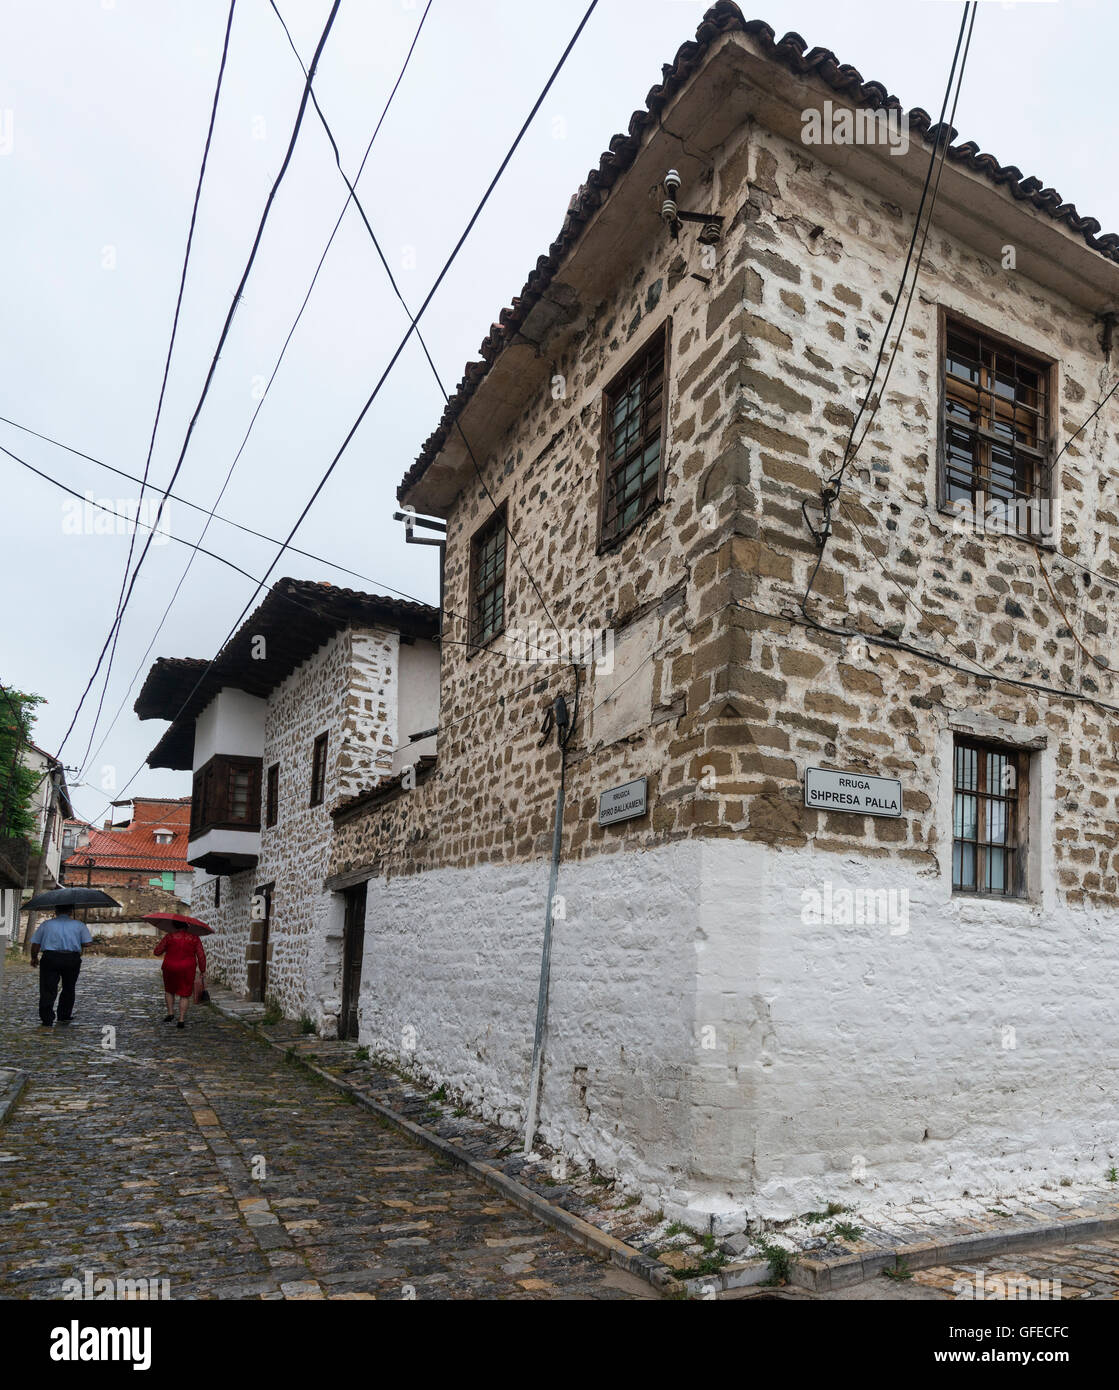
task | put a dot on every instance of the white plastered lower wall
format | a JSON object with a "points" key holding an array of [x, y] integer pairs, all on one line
{"points": [[742, 1031]]}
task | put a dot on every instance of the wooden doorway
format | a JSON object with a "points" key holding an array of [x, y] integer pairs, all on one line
{"points": [[353, 949], [259, 956]]}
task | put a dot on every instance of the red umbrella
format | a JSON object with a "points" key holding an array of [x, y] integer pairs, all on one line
{"points": [[177, 919]]}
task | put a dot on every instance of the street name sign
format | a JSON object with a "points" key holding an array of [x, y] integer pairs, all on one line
{"points": [[622, 803], [857, 792]]}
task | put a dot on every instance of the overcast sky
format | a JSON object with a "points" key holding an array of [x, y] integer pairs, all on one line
{"points": [[103, 112]]}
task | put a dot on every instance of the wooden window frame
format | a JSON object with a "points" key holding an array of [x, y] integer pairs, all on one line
{"points": [[1016, 801], [211, 799], [1043, 458], [272, 795], [319, 751], [660, 340], [476, 642]]}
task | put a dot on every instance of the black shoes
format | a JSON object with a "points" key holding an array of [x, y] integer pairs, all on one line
{"points": [[44, 1024], [180, 1025], [64, 1021], [170, 1018]]}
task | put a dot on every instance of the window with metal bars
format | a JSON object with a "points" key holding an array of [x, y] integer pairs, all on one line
{"points": [[633, 429], [318, 770], [990, 802], [487, 579], [995, 451]]}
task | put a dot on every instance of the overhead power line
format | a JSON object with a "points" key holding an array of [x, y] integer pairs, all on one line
{"points": [[167, 363], [397, 353], [830, 493], [260, 403], [214, 361]]}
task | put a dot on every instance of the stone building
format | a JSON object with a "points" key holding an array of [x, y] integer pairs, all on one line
{"points": [[316, 696], [146, 849], [757, 1003]]}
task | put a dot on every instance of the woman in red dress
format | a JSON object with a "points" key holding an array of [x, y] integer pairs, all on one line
{"points": [[182, 955]]}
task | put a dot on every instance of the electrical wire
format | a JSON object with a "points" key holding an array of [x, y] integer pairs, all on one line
{"points": [[495, 510], [399, 350], [832, 488], [167, 363], [214, 361], [260, 404]]}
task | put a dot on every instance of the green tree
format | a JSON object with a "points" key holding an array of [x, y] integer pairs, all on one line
{"points": [[17, 782]]}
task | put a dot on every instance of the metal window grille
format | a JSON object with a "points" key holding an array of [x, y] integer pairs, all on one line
{"points": [[996, 431], [633, 431], [318, 770], [487, 588], [988, 797]]}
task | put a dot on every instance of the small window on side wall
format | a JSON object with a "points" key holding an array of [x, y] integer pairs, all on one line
{"points": [[990, 819], [487, 579], [318, 770], [634, 419], [272, 795]]}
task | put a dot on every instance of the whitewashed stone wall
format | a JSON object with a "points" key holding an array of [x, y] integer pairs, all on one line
{"points": [[450, 986], [347, 689], [740, 1056], [728, 1054]]}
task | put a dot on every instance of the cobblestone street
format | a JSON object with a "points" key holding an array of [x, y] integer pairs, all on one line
{"points": [[1087, 1270], [202, 1157]]}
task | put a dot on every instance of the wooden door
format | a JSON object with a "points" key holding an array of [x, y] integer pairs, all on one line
{"points": [[353, 949], [259, 944]]}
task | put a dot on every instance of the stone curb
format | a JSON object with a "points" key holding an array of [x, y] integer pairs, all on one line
{"points": [[12, 1083], [822, 1276], [620, 1254]]}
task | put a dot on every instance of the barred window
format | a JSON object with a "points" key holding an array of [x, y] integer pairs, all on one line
{"points": [[995, 432], [318, 770], [633, 428], [990, 797], [487, 579]]}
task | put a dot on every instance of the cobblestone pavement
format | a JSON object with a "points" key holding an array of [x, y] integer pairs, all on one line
{"points": [[1088, 1270], [203, 1158], [1049, 1274]]}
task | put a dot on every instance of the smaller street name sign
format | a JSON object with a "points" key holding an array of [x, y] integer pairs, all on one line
{"points": [[622, 803], [827, 790]]}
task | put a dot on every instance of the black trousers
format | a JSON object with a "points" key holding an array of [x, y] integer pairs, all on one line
{"points": [[57, 967]]}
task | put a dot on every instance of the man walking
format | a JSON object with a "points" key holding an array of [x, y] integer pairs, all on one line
{"points": [[60, 938]]}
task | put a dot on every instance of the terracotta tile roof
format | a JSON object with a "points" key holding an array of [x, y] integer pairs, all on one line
{"points": [[295, 619], [134, 847], [386, 789], [793, 53]]}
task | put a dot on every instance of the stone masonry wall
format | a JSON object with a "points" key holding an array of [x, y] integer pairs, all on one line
{"points": [[347, 689], [794, 1080]]}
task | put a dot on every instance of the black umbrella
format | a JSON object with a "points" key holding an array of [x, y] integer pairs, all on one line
{"points": [[70, 897]]}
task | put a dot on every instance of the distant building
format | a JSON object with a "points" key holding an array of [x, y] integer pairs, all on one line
{"points": [[148, 849], [19, 858], [317, 697]]}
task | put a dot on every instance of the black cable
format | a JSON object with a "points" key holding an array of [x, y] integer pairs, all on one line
{"points": [[894, 644], [260, 403], [420, 338], [166, 365], [214, 362], [120, 516], [396, 355], [379, 586], [832, 488], [412, 328]]}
